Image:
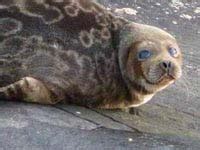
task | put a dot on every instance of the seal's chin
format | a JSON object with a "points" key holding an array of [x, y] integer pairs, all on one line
{"points": [[165, 79]]}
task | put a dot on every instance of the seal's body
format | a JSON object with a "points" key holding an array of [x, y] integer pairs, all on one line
{"points": [[75, 50]]}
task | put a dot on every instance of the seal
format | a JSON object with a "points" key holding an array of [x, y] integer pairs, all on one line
{"points": [[77, 51]]}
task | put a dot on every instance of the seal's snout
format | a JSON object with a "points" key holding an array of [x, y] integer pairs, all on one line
{"points": [[170, 69], [166, 65]]}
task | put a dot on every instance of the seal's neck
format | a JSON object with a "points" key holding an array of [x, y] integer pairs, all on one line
{"points": [[133, 94], [139, 98]]}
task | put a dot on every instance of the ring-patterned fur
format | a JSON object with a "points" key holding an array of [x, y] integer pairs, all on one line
{"points": [[53, 50]]}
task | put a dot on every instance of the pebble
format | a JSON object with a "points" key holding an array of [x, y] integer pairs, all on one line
{"points": [[130, 139], [174, 22], [78, 112], [197, 10], [176, 4], [128, 11], [158, 4], [167, 13], [185, 16]]}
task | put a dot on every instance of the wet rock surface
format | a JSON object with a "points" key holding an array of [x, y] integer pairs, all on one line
{"points": [[170, 121]]}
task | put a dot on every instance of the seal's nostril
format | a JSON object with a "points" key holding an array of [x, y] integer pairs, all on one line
{"points": [[169, 65], [165, 65]]}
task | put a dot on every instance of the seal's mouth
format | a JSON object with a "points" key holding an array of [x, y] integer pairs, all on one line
{"points": [[165, 78]]}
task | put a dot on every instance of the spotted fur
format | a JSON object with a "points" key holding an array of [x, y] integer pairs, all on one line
{"points": [[72, 50]]}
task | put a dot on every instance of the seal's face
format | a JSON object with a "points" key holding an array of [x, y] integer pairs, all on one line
{"points": [[154, 59]]}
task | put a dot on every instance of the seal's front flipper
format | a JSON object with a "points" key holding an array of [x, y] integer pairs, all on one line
{"points": [[132, 110], [29, 89]]}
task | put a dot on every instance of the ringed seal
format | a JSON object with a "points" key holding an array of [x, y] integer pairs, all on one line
{"points": [[77, 51]]}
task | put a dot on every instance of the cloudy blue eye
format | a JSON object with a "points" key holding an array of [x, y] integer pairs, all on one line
{"points": [[144, 54], [173, 52]]}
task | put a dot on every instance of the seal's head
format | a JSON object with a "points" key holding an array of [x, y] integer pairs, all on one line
{"points": [[149, 58]]}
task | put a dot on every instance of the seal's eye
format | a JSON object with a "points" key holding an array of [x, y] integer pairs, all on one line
{"points": [[144, 54], [173, 52]]}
